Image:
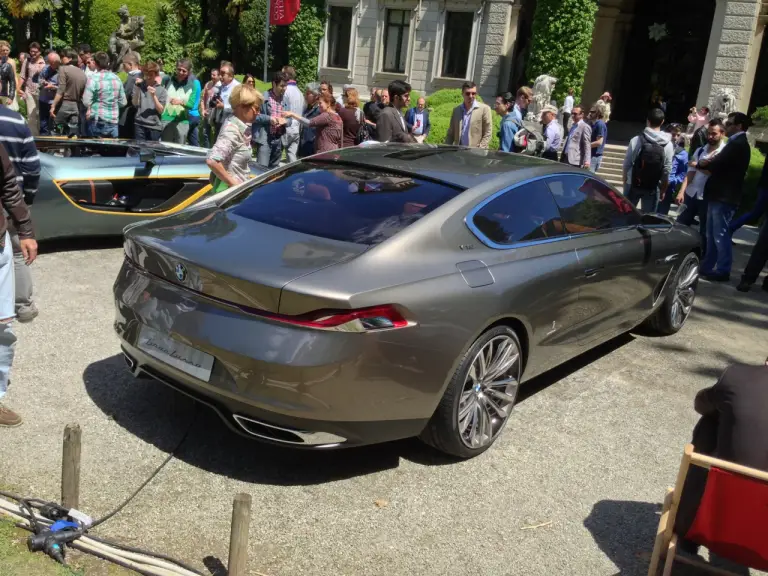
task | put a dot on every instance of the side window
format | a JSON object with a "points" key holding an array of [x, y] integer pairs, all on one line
{"points": [[524, 213], [588, 205]]}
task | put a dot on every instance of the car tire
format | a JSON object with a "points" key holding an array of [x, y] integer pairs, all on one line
{"points": [[476, 406], [680, 294]]}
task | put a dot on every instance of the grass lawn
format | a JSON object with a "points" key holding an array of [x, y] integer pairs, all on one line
{"points": [[16, 560]]}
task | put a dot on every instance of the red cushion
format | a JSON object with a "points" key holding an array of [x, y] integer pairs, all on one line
{"points": [[732, 520]]}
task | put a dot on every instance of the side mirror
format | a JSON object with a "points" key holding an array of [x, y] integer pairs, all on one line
{"points": [[147, 156]]}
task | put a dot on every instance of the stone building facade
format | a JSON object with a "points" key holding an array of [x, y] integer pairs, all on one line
{"points": [[434, 44]]}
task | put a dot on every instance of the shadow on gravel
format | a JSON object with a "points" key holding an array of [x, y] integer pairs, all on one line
{"points": [[543, 381], [160, 416]]}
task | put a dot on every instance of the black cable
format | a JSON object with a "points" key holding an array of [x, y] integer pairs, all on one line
{"points": [[148, 480]]}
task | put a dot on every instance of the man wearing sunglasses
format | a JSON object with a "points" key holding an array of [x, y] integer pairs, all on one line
{"points": [[471, 121]]}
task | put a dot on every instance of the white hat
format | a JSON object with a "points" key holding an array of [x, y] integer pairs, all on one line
{"points": [[549, 108]]}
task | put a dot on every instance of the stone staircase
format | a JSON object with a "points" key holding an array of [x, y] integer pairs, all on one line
{"points": [[610, 168]]}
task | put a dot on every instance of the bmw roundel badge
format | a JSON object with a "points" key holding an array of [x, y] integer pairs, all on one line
{"points": [[181, 272]]}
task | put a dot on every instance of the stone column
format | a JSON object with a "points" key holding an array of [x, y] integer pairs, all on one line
{"points": [[730, 50], [510, 39], [754, 57], [603, 36]]}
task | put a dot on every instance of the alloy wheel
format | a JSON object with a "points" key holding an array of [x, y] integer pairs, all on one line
{"points": [[489, 391], [685, 293]]}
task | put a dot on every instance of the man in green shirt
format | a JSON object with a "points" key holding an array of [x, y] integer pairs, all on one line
{"points": [[181, 99]]}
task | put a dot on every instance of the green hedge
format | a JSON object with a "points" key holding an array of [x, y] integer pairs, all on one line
{"points": [[562, 40], [750, 182], [102, 20]]}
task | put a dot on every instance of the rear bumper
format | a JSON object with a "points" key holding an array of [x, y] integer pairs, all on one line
{"points": [[284, 385]]}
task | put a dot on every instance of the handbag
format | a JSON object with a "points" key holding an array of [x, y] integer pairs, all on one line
{"points": [[363, 134]]}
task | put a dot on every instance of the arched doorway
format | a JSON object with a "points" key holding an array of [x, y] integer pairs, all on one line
{"points": [[665, 54]]}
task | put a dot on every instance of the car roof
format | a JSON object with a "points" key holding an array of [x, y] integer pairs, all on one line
{"points": [[454, 165]]}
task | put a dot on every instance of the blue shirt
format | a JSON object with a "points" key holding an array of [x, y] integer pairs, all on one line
{"points": [[48, 75], [599, 129], [517, 113], [552, 137], [507, 133], [464, 141], [195, 111], [679, 168]]}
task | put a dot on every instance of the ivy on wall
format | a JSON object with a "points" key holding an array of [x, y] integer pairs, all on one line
{"points": [[304, 36], [562, 39]]}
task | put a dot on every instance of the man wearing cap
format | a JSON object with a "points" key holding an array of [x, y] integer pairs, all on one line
{"points": [[578, 145], [606, 97], [553, 136]]}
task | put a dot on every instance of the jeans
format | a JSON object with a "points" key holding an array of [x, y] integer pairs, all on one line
{"points": [[719, 255], [758, 258], [760, 208], [291, 146], [648, 199], [175, 132], [208, 135], [666, 202], [594, 164], [269, 154], [145, 134], [693, 207], [33, 113], [22, 275], [7, 337], [68, 118], [101, 129], [46, 124], [193, 137]]}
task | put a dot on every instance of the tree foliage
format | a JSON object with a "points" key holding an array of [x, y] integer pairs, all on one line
{"points": [[304, 36], [562, 39]]}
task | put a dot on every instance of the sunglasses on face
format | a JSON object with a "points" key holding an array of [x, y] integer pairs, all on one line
{"points": [[471, 93]]}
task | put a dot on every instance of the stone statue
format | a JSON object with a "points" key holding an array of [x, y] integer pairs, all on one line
{"points": [[723, 103], [542, 94], [129, 37]]}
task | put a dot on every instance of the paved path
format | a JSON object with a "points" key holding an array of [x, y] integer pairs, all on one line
{"points": [[590, 450]]}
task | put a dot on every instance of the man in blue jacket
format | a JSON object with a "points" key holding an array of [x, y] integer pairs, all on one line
{"points": [[417, 121]]}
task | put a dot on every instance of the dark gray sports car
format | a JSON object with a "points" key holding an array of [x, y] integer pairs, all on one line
{"points": [[97, 187], [378, 293]]}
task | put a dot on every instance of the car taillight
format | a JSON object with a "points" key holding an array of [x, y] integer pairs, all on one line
{"points": [[384, 317]]}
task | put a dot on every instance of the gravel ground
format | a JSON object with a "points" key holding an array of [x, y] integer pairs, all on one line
{"points": [[586, 458]]}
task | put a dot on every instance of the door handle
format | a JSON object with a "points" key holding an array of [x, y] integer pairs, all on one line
{"points": [[592, 272]]}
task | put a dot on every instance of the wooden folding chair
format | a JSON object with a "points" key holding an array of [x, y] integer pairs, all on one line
{"points": [[731, 521]]}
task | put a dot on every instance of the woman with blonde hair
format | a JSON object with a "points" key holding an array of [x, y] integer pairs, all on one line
{"points": [[229, 157], [327, 124], [351, 117], [7, 77]]}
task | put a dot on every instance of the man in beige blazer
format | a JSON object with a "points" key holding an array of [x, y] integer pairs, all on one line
{"points": [[471, 121]]}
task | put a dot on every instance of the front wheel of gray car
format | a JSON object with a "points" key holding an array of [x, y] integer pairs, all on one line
{"points": [[478, 401], [678, 300]]}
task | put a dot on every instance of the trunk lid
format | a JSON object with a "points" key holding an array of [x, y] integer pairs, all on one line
{"points": [[231, 258]]}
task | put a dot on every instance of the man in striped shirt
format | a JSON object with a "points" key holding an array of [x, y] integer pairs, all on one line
{"points": [[104, 95], [17, 139]]}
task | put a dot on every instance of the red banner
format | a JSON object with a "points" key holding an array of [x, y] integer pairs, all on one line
{"points": [[283, 12]]}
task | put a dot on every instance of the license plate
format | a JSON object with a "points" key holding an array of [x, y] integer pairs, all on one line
{"points": [[185, 358]]}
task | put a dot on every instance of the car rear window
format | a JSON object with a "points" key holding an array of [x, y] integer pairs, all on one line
{"points": [[341, 202]]}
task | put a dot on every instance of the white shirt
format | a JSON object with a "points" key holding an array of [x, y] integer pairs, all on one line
{"points": [[699, 180], [226, 92], [568, 106], [418, 123]]}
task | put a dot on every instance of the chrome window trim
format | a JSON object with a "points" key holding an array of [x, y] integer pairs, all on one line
{"points": [[468, 219]]}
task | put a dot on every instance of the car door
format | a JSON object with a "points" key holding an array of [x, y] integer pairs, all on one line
{"points": [[618, 277], [534, 266]]}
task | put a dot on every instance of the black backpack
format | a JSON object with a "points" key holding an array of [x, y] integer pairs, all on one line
{"points": [[649, 166]]}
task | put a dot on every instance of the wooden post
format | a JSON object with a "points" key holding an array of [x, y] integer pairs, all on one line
{"points": [[238, 537], [70, 467]]}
